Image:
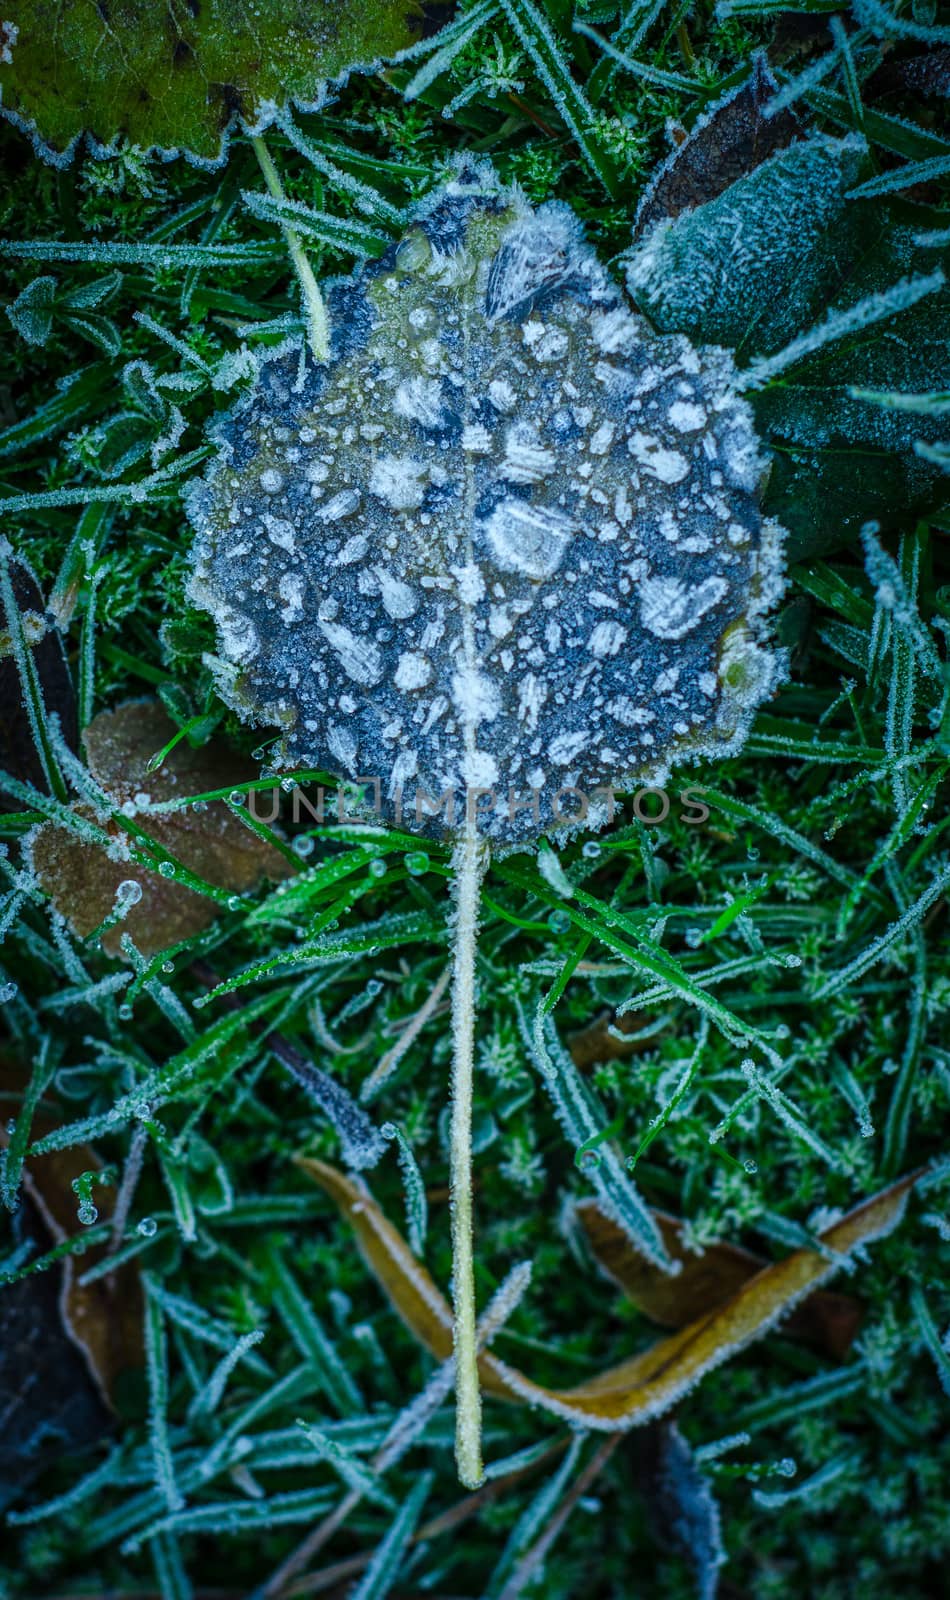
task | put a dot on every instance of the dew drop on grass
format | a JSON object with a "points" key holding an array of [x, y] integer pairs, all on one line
{"points": [[377, 868], [147, 1227], [417, 863], [166, 869], [591, 850], [8, 991], [559, 921]]}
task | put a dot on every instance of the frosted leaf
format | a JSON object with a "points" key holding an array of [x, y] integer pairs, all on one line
{"points": [[518, 543], [179, 77], [754, 263]]}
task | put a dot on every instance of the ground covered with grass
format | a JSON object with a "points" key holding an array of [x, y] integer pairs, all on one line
{"points": [[741, 1014]]}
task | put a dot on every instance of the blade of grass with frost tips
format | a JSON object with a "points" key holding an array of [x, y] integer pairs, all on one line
{"points": [[179, 1076], [75, 395], [533, 1518], [383, 1570], [156, 1366], [539, 40], [417, 1211], [294, 897], [339, 233], [30, 689], [311, 1339], [362, 1480], [236, 1517], [880, 20], [207, 1399], [100, 1477], [902, 178], [161, 256], [815, 1394], [666, 1111], [931, 1337], [788, 1113], [865, 313], [648, 957], [639, 69], [582, 1119], [130, 494], [364, 197], [202, 1325], [448, 42], [647, 1385], [782, 831], [897, 1122], [773, 1499], [531, 1565], [170, 1568], [878, 948]]}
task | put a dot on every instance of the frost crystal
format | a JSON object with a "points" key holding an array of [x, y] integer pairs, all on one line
{"points": [[507, 540]]}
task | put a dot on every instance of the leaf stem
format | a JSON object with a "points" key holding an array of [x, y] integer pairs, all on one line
{"points": [[317, 322], [471, 858]]}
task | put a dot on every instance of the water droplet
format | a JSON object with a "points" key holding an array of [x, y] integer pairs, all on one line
{"points": [[559, 921], [235, 902], [168, 966], [125, 1012], [237, 797], [591, 850], [377, 868], [128, 894], [166, 869], [588, 1160], [693, 938], [288, 785], [87, 1213], [417, 862], [793, 961], [303, 845], [148, 1228], [8, 991], [750, 1166]]}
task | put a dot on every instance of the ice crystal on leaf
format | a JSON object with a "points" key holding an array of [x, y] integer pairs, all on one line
{"points": [[508, 539]]}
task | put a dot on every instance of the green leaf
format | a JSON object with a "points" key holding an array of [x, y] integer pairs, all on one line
{"points": [[178, 77], [786, 264]]}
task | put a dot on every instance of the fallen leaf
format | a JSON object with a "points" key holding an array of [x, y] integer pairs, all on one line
{"points": [[48, 1401], [599, 1042], [82, 879], [65, 1346], [179, 77], [647, 1385], [46, 652], [732, 138], [704, 1281]]}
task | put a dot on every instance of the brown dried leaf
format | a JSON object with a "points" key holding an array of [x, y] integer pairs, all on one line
{"points": [[826, 1319], [731, 139], [648, 1384], [103, 1319], [598, 1041], [82, 880]]}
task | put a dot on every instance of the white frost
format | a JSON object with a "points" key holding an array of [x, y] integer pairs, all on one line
{"points": [[670, 609]]}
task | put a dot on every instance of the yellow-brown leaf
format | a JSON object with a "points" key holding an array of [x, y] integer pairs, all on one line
{"points": [[648, 1384]]}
